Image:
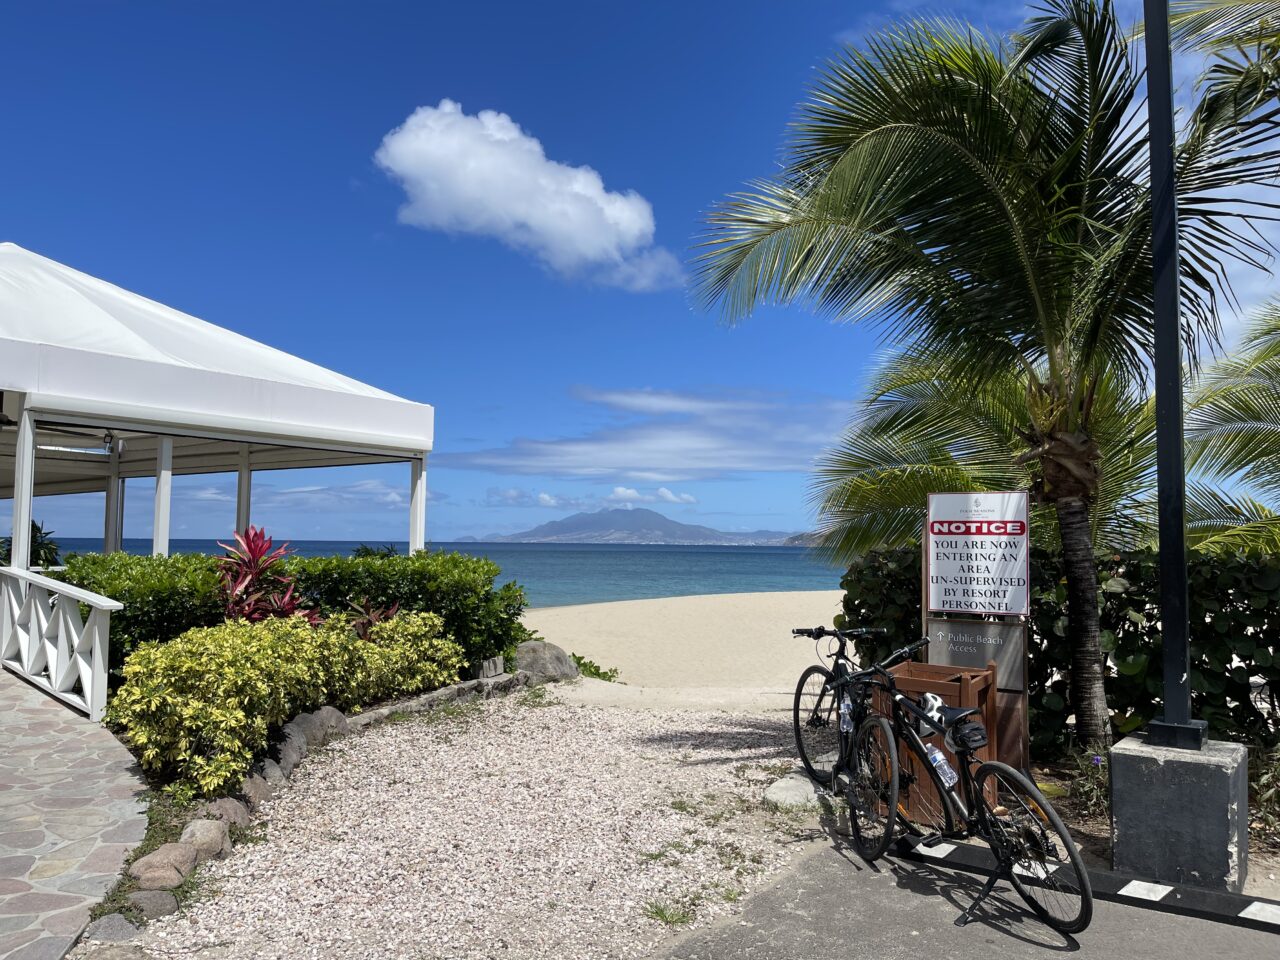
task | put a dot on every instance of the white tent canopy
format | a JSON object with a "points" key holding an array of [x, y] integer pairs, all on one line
{"points": [[100, 384]]}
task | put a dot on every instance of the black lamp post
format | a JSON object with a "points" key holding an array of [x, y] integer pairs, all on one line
{"points": [[1176, 728]]}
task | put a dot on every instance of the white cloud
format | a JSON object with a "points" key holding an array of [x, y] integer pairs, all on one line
{"points": [[518, 497], [667, 437], [316, 498], [484, 175], [670, 497], [628, 496]]}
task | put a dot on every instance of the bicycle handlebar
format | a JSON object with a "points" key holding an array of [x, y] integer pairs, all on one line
{"points": [[905, 653], [817, 633]]}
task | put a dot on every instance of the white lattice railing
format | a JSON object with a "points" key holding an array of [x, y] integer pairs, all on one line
{"points": [[44, 639]]}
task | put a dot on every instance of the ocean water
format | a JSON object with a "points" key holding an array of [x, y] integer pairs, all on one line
{"points": [[555, 574]]}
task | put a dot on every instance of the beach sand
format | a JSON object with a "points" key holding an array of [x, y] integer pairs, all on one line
{"points": [[722, 652]]}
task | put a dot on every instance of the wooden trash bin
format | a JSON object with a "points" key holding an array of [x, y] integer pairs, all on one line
{"points": [[958, 687]]}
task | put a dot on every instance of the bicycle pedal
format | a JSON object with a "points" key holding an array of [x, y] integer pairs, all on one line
{"points": [[932, 840]]}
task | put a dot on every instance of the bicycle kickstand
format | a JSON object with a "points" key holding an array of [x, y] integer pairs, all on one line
{"points": [[982, 895]]}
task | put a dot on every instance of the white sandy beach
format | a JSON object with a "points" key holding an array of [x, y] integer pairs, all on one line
{"points": [[725, 651]]}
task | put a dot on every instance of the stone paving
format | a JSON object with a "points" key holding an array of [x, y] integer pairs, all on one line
{"points": [[71, 809]]}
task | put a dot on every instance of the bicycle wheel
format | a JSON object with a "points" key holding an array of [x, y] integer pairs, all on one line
{"points": [[1044, 865], [873, 788], [923, 809], [817, 723]]}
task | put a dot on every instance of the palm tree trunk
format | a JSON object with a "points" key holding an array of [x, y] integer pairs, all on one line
{"points": [[1088, 695]]}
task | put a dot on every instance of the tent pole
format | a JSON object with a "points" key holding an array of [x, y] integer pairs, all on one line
{"points": [[111, 508], [24, 469], [244, 490], [164, 497], [418, 503]]}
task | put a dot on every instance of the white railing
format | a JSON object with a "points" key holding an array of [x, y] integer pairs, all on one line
{"points": [[44, 639]]}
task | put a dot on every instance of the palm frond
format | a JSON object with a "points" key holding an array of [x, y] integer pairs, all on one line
{"points": [[1217, 520], [1233, 421], [1215, 24]]}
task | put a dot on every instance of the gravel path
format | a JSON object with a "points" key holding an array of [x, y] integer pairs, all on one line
{"points": [[521, 828]]}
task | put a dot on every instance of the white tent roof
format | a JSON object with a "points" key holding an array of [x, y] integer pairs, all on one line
{"points": [[85, 350]]}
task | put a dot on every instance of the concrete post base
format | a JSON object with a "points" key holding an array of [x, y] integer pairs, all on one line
{"points": [[1181, 816]]}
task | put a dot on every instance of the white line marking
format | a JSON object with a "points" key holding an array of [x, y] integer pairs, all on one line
{"points": [[939, 851], [1144, 890], [1266, 912], [1038, 871]]}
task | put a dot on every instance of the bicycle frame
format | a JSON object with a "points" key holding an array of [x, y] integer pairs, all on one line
{"points": [[973, 810]]}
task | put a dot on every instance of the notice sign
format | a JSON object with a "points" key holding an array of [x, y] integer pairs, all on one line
{"points": [[977, 553], [973, 643]]}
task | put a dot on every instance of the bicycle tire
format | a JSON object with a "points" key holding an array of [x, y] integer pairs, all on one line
{"points": [[934, 813], [1066, 882], [872, 794], [817, 736]]}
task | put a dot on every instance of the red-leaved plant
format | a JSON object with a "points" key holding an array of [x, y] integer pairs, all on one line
{"points": [[254, 584], [367, 615]]}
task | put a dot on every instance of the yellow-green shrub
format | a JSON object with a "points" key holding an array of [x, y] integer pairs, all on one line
{"points": [[407, 654], [198, 710]]}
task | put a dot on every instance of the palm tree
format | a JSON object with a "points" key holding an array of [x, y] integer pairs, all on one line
{"points": [[919, 432], [1233, 428], [992, 202], [922, 430]]}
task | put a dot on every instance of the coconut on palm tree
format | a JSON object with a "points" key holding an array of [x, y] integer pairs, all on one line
{"points": [[991, 201]]}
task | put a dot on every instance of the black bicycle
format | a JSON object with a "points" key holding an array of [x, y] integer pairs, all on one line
{"points": [[995, 803], [986, 800], [845, 745]]}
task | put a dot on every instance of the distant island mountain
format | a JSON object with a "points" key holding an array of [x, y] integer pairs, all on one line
{"points": [[639, 526]]}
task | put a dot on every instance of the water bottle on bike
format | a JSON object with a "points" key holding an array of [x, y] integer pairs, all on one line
{"points": [[939, 761]]}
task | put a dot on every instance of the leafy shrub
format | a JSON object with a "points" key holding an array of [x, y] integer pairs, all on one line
{"points": [[44, 549], [590, 668], [166, 596], [197, 710], [162, 596], [1091, 785], [1234, 622], [409, 654], [483, 618], [1264, 797], [382, 550]]}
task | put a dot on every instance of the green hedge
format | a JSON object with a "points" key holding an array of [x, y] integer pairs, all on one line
{"points": [[1235, 635], [164, 597], [484, 619], [199, 709]]}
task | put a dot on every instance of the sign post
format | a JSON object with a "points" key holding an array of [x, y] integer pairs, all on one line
{"points": [[977, 566]]}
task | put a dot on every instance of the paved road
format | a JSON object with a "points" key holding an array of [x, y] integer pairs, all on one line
{"points": [[831, 904], [70, 810]]}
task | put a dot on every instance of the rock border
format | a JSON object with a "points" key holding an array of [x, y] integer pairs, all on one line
{"points": [[208, 835]]}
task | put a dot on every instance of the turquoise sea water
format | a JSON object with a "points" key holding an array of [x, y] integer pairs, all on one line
{"points": [[555, 574]]}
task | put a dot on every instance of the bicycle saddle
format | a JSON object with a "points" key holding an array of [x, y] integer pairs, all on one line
{"points": [[952, 715], [941, 714]]}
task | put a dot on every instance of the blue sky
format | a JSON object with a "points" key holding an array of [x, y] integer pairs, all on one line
{"points": [[398, 191]]}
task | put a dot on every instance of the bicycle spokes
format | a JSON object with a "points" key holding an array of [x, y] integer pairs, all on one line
{"points": [[1037, 856]]}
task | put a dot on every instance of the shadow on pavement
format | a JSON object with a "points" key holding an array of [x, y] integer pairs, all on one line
{"points": [[1002, 912]]}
